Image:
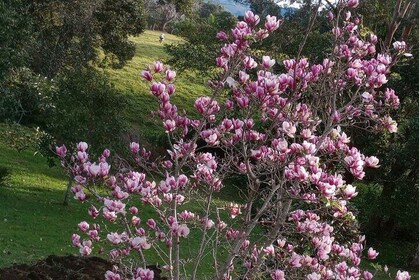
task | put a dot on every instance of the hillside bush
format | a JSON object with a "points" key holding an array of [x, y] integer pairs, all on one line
{"points": [[285, 133], [4, 175], [84, 105]]}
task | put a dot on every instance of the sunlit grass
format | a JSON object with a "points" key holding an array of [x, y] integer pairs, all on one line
{"points": [[140, 102], [34, 222]]}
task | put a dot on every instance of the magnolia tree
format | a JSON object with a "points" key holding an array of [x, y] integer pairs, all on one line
{"points": [[282, 134]]}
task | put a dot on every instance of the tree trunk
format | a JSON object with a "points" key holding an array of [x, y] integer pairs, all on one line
{"points": [[67, 192]]}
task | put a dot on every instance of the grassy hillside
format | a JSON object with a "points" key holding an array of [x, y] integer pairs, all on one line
{"points": [[140, 102], [34, 222]]}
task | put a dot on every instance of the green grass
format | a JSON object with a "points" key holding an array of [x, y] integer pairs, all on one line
{"points": [[393, 253], [34, 223], [140, 101]]}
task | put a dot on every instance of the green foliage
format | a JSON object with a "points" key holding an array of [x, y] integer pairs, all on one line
{"points": [[394, 212], [116, 21], [18, 136], [22, 95], [69, 33], [264, 8], [182, 6], [4, 175], [15, 35], [292, 33], [86, 108], [201, 48], [66, 35]]}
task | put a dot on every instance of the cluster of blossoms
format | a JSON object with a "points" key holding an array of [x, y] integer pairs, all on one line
{"points": [[281, 134]]}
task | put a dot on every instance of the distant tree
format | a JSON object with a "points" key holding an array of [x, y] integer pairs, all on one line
{"points": [[15, 35], [117, 20], [84, 105], [17, 86], [200, 49], [265, 7], [160, 15], [395, 211], [70, 33], [41, 39]]}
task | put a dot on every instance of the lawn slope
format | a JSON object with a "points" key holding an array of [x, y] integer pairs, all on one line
{"points": [[140, 101]]}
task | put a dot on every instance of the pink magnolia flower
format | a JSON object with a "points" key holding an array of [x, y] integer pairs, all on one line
{"points": [[278, 275], [289, 129], [151, 223], [170, 75], [267, 62], [114, 238], [82, 156], [82, 146], [133, 210], [353, 3], [249, 62], [135, 147], [295, 260], [183, 230], [158, 67], [61, 151], [245, 244], [402, 275], [281, 242], [208, 223], [80, 195], [270, 250], [144, 274], [251, 18], [169, 125], [146, 75], [400, 46], [83, 226], [350, 191], [157, 89], [75, 239], [186, 215], [314, 276], [86, 248], [372, 161], [372, 254], [222, 36], [140, 243], [330, 16], [367, 275], [272, 23], [221, 225], [389, 124], [109, 275], [94, 169]]}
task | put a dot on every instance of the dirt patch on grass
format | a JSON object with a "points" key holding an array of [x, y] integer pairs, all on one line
{"points": [[63, 268]]}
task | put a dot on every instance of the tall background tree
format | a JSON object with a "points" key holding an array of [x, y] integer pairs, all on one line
{"points": [[200, 48], [49, 46]]}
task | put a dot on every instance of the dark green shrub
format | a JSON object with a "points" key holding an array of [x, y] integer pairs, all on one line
{"points": [[4, 175], [86, 108], [22, 95]]}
